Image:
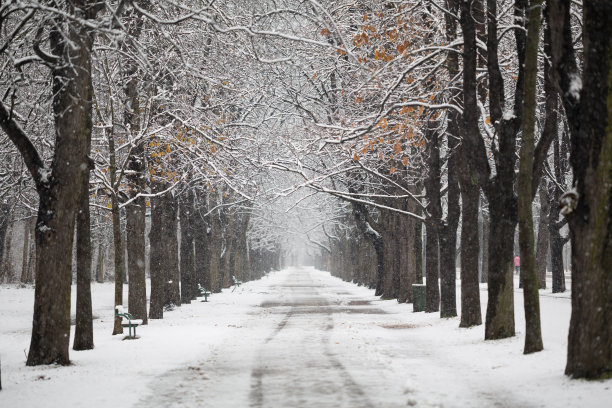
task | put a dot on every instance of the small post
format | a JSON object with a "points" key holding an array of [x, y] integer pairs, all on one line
{"points": [[418, 298]]}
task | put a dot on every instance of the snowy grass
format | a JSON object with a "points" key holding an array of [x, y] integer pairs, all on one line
{"points": [[115, 372], [413, 358]]}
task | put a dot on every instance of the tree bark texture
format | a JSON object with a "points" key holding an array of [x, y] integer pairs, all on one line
{"points": [[4, 226], [135, 210], [361, 220], [468, 178], [117, 235], [202, 252], [100, 263], [187, 266], [531, 297], [59, 188], [554, 224], [83, 331], [448, 229], [171, 250], [434, 217], [215, 248], [542, 242], [588, 207], [26, 251], [158, 258]]}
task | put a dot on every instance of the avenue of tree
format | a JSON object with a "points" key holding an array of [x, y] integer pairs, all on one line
{"points": [[395, 142]]}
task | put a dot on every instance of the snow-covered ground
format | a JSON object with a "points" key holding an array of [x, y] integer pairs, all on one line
{"points": [[298, 337]]}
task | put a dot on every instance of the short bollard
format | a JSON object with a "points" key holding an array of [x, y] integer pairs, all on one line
{"points": [[419, 297]]}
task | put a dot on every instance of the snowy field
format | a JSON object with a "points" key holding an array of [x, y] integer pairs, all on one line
{"points": [[298, 337]]}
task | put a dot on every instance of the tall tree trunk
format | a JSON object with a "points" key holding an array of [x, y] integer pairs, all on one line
{"points": [[434, 218], [361, 220], [100, 265], [431, 268], [83, 332], [117, 236], [407, 273], [533, 332], [5, 262], [135, 211], [588, 207], [135, 237], [215, 248], [187, 266], [157, 259], [228, 234], [418, 252], [484, 276], [59, 189], [125, 279], [4, 226], [202, 253], [448, 230], [500, 189], [554, 224], [26, 251], [173, 294], [30, 278], [448, 233], [468, 179], [241, 248], [470, 288], [118, 258], [560, 167], [543, 236], [386, 230]]}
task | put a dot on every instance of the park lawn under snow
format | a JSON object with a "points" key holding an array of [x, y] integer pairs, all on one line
{"points": [[414, 358]]}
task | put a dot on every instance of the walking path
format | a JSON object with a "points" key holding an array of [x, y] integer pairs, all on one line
{"points": [[296, 338], [322, 346]]}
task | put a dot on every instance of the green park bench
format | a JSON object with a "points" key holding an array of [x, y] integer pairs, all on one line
{"points": [[203, 292], [237, 283], [129, 322]]}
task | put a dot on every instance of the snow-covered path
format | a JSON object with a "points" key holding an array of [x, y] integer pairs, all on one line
{"points": [[323, 343], [296, 364], [296, 338]]}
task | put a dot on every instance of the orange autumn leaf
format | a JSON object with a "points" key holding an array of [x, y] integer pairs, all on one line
{"points": [[405, 161], [397, 147], [392, 170], [325, 32], [356, 157]]}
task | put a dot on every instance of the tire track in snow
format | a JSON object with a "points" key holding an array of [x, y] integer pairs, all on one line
{"points": [[331, 385]]}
